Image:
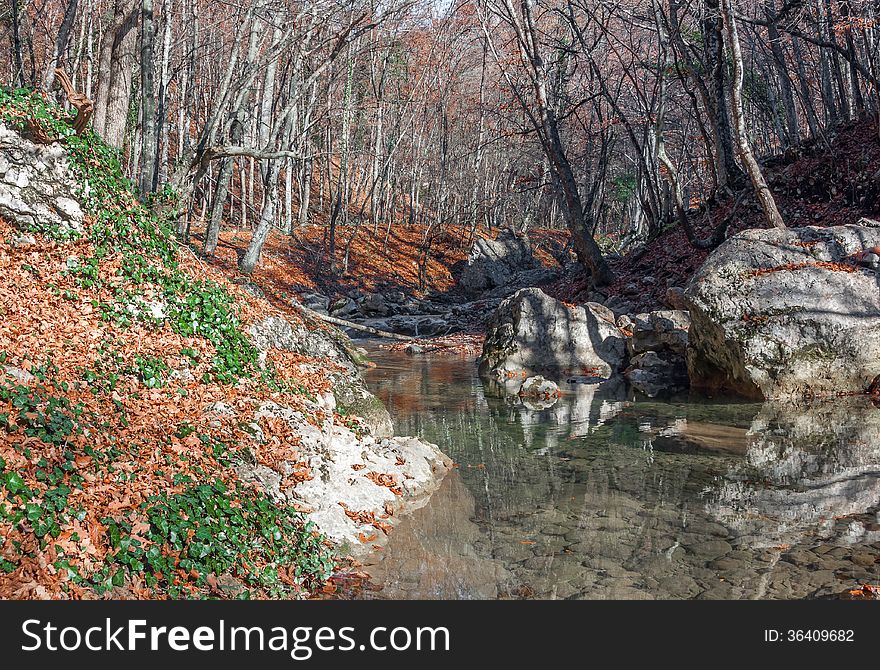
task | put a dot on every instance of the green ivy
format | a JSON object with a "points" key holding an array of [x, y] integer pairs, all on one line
{"points": [[211, 529]]}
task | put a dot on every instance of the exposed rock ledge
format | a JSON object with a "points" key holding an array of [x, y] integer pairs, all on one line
{"points": [[362, 483]]}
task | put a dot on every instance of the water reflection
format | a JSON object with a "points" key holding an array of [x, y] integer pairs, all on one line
{"points": [[603, 495]]}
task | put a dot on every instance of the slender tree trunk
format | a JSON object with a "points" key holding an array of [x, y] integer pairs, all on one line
{"points": [[61, 43], [765, 197], [792, 134], [729, 174], [147, 175], [17, 55]]}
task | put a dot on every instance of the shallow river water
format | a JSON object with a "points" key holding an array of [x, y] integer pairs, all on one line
{"points": [[605, 495]]}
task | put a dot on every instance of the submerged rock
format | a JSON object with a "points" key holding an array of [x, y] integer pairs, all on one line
{"points": [[532, 333], [787, 313], [538, 387]]}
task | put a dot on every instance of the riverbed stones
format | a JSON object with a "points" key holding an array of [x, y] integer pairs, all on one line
{"points": [[531, 333], [787, 313], [316, 302]]}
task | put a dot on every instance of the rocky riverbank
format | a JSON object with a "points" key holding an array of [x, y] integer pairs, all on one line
{"points": [[167, 431]]}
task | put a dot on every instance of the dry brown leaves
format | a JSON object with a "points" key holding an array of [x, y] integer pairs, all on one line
{"points": [[791, 267], [45, 315]]}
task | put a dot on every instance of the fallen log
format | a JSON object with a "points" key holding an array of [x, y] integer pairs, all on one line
{"points": [[336, 321]]}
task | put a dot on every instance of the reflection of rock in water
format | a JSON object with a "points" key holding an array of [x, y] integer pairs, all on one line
{"points": [[605, 496], [432, 552], [806, 465], [581, 409]]}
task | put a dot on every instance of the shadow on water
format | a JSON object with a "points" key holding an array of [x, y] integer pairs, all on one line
{"points": [[603, 495]]}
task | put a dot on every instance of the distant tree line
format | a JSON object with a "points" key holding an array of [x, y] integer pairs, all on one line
{"points": [[611, 118]]}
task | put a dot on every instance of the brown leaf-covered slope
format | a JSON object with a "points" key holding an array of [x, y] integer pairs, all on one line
{"points": [[378, 259], [132, 440]]}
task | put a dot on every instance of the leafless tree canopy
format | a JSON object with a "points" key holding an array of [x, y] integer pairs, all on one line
{"points": [[611, 118]]}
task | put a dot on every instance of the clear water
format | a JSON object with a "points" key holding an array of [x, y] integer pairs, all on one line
{"points": [[603, 495]]}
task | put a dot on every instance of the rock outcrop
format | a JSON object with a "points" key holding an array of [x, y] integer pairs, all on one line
{"points": [[359, 485], [493, 263], [350, 391], [531, 333], [37, 189], [787, 313], [657, 347]]}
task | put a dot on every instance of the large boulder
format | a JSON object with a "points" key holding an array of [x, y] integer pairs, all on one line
{"points": [[493, 263], [37, 188], [531, 333], [787, 313]]}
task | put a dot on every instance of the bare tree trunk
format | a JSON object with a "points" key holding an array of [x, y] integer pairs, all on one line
{"points": [[17, 56], [251, 256], [61, 43], [765, 197], [147, 175], [115, 74], [785, 88], [729, 174], [162, 125]]}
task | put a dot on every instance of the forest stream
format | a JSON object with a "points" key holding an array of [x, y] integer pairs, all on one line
{"points": [[603, 495]]}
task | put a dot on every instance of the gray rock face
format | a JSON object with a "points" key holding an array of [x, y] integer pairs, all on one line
{"points": [[532, 333], [374, 304], [316, 302], [786, 313], [657, 347], [656, 331], [37, 191], [372, 479], [350, 391], [492, 263]]}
